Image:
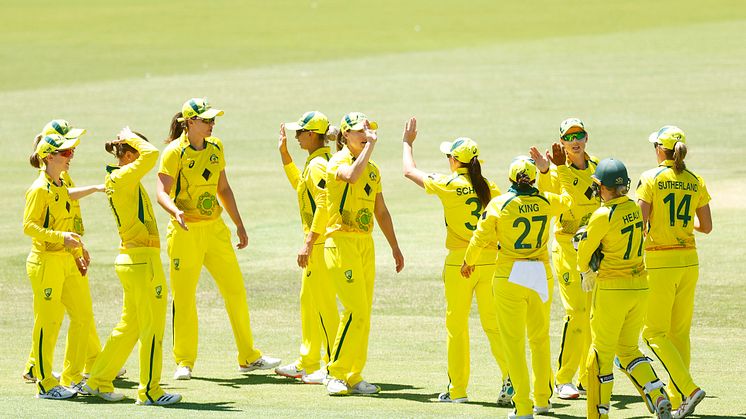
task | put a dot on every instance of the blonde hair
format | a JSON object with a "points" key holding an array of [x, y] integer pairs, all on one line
{"points": [[34, 159]]}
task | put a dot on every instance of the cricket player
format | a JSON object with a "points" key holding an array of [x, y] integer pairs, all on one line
{"points": [[318, 303], [139, 268], [463, 194], [354, 198], [522, 284], [620, 294], [191, 180], [63, 128], [56, 267], [674, 203], [575, 333]]}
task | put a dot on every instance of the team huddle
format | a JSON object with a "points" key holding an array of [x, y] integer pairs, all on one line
{"points": [[625, 268]]}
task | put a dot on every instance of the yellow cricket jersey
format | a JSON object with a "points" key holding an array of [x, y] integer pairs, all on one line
{"points": [[350, 205], [311, 188], [75, 204], [579, 188], [129, 200], [617, 227], [519, 221], [195, 174], [461, 206], [674, 200], [48, 214]]}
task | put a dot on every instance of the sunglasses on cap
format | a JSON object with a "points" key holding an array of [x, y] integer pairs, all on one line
{"points": [[575, 136], [65, 153]]}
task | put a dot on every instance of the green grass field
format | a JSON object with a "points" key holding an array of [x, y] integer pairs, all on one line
{"points": [[503, 74]]}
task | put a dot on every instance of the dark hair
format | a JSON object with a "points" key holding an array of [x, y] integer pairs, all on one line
{"points": [[523, 182], [178, 125], [34, 159], [677, 155], [478, 182], [119, 149]]}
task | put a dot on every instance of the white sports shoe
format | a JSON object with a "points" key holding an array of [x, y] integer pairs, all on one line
{"points": [[513, 415], [663, 408], [317, 377], [165, 400], [365, 387], [506, 394], [57, 393], [567, 391], [108, 396], [543, 410], [688, 404], [290, 370], [337, 387], [581, 390], [183, 373], [263, 363], [80, 388], [120, 374], [446, 398]]}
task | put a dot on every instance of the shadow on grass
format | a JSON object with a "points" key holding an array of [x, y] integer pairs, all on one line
{"points": [[245, 380], [212, 406]]}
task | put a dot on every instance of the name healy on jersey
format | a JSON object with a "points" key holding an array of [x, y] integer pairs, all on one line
{"points": [[677, 184]]}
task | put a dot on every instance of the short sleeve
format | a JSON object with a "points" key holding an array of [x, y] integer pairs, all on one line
{"points": [[434, 183], [644, 191], [170, 161]]}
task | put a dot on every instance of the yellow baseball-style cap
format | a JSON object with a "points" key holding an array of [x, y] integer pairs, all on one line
{"points": [[462, 149], [199, 107], [668, 136], [310, 121], [63, 128], [356, 121], [55, 142], [522, 164], [571, 123]]}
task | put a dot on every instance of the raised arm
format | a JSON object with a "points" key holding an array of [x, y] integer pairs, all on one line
{"points": [[411, 171], [291, 170], [352, 173]]}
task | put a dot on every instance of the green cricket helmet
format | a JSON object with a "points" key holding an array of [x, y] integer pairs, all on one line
{"points": [[611, 173]]}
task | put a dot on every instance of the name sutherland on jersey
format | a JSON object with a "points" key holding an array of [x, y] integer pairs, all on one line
{"points": [[677, 184]]}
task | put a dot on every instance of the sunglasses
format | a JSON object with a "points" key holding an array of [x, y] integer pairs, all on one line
{"points": [[575, 136], [65, 153], [655, 146], [205, 120]]}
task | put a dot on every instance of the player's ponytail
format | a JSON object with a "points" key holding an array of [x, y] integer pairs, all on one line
{"points": [[340, 140], [523, 182], [478, 182], [679, 153], [178, 126], [34, 159]]}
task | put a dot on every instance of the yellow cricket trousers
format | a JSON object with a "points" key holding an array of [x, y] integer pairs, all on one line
{"points": [[318, 312], [672, 276], [143, 319], [617, 314], [576, 337], [459, 292], [92, 350], [351, 262], [520, 311], [58, 286], [206, 243]]}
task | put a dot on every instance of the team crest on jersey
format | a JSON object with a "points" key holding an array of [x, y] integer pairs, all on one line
{"points": [[47, 293], [207, 203], [177, 262], [191, 163], [158, 290], [363, 219], [214, 159], [566, 277], [372, 176], [348, 275]]}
